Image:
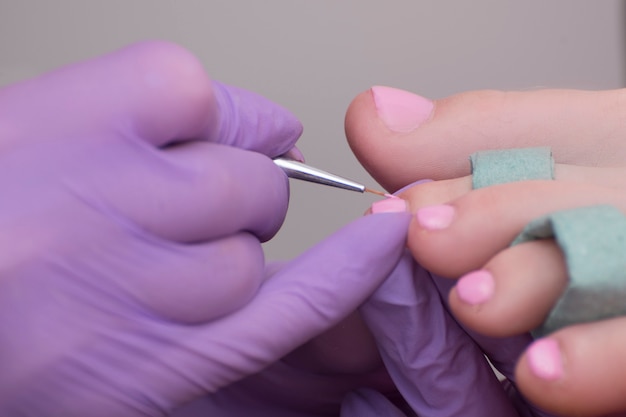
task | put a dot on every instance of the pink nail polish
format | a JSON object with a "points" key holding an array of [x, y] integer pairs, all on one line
{"points": [[400, 110], [476, 287], [544, 359], [389, 205], [435, 217]]}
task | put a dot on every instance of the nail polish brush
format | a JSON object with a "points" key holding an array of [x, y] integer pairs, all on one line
{"points": [[298, 170]]}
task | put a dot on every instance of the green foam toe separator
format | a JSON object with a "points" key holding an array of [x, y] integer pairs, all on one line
{"points": [[509, 165], [593, 241]]}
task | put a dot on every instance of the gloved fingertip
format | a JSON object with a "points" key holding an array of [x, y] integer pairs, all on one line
{"points": [[406, 187], [250, 121], [383, 227]]}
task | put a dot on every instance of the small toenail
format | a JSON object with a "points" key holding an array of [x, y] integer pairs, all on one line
{"points": [[476, 287]]}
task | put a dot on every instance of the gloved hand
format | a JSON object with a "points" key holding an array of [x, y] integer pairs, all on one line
{"points": [[431, 365], [438, 365], [135, 195]]}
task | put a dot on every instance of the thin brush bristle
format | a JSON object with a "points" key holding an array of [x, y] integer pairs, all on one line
{"points": [[380, 193]]}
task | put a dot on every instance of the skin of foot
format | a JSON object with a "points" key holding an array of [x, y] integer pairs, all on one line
{"points": [[465, 234]]}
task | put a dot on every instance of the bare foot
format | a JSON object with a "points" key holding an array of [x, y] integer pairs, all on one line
{"points": [[458, 232]]}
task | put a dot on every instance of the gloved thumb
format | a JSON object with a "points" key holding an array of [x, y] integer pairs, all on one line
{"points": [[307, 296]]}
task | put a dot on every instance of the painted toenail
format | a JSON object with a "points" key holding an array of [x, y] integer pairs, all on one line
{"points": [[389, 205], [544, 359], [401, 111], [476, 287], [435, 217]]}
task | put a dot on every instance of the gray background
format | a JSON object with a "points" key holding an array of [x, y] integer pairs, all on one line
{"points": [[315, 56]]}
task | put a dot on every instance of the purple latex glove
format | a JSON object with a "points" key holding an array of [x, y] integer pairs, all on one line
{"points": [[135, 195], [431, 366], [437, 365]]}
